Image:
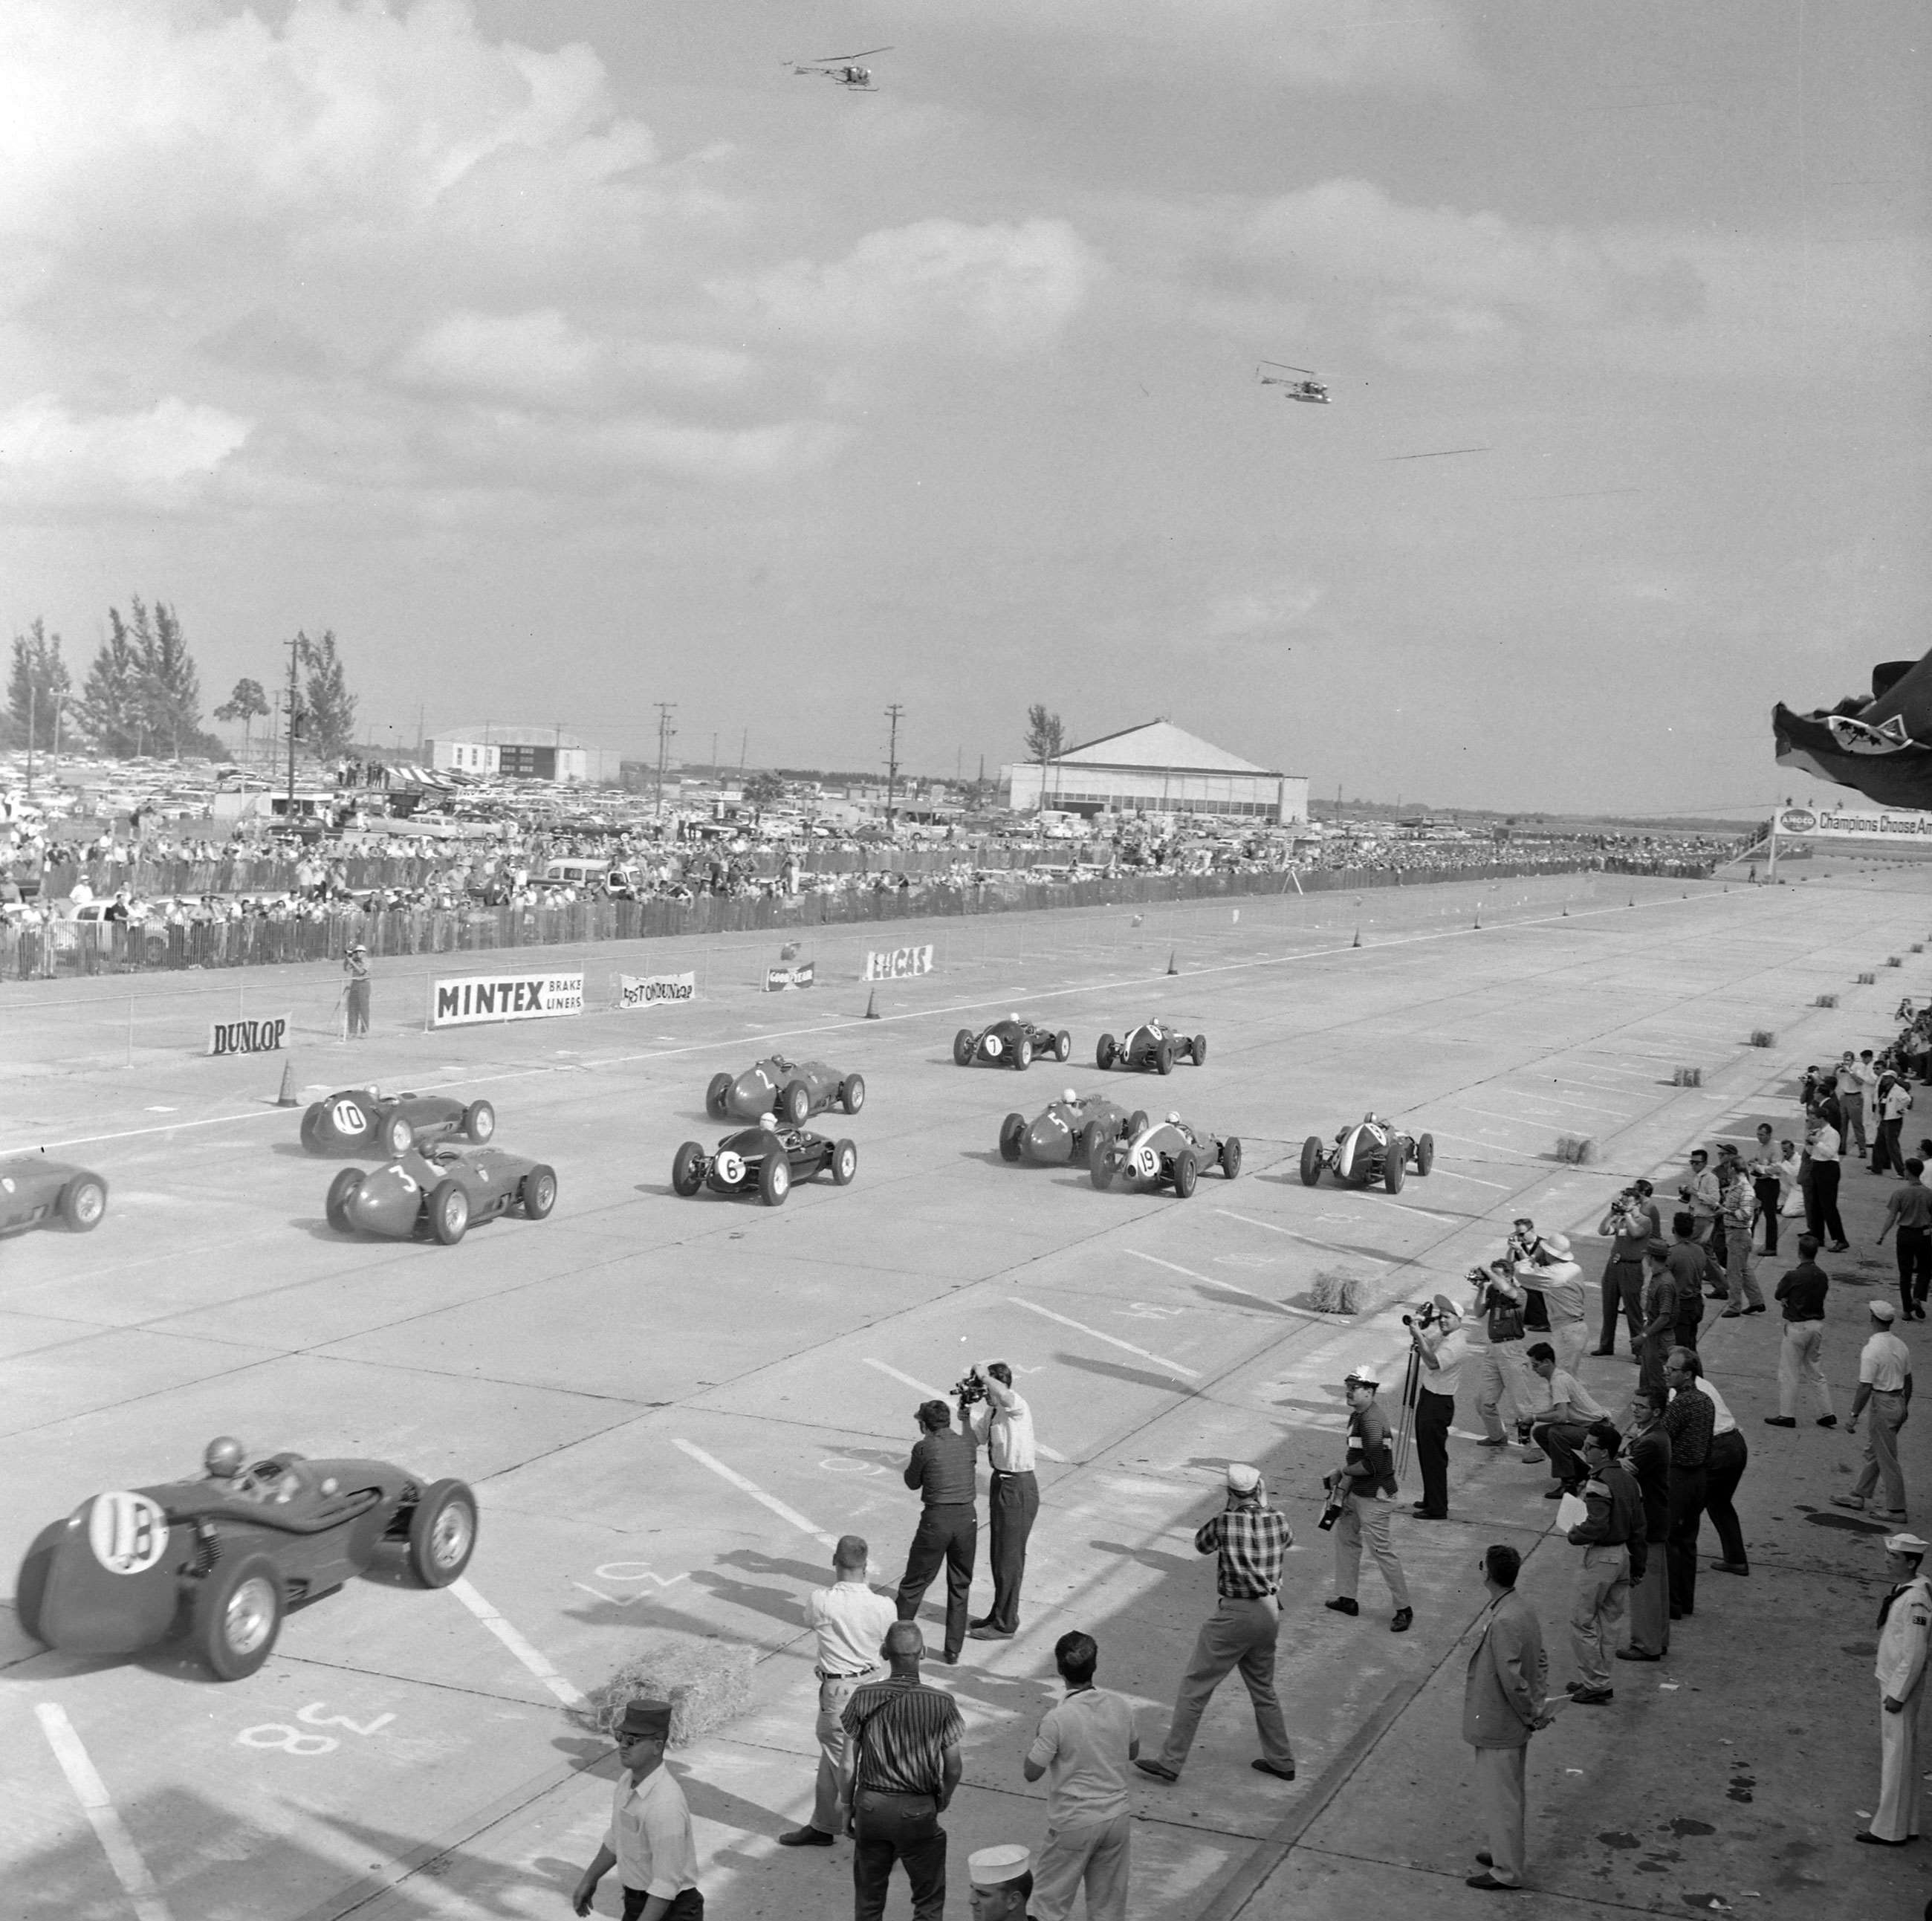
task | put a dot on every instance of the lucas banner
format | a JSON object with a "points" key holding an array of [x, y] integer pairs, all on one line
{"points": [[256, 1037], [898, 963], [1849, 823], [651, 990], [504, 997], [778, 979]]}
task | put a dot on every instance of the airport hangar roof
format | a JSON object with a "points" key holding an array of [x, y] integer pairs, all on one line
{"points": [[1159, 745]]}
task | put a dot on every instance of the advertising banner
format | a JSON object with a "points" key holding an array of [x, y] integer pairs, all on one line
{"points": [[268, 1036], [898, 963], [778, 979], [650, 990], [1849, 823], [504, 997]]}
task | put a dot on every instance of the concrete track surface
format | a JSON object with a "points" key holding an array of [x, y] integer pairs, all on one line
{"points": [[670, 1408]]}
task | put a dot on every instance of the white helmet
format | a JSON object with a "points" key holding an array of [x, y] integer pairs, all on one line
{"points": [[1067, 1094], [1174, 1120]]}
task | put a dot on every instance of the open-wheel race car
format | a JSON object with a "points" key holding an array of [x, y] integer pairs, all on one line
{"points": [[1067, 1132], [1370, 1151], [792, 1089], [768, 1160], [1012, 1043], [220, 1561], [1169, 1153], [363, 1120], [442, 1189], [1152, 1044], [33, 1188]]}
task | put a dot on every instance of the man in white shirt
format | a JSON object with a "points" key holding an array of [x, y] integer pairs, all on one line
{"points": [[1559, 1433], [1821, 1200], [1700, 1194], [1440, 1350], [650, 1840], [1083, 1748], [1884, 1386], [850, 1622], [1894, 1103], [1904, 1628], [1003, 1424], [1857, 1077], [1550, 1271]]}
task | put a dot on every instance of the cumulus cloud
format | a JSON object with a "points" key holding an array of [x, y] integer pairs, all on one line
{"points": [[149, 456]]}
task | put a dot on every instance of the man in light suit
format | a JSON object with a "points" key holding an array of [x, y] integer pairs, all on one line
{"points": [[1503, 1704]]}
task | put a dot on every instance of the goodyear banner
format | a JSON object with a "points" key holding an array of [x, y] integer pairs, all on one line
{"points": [[778, 979], [256, 1037], [504, 997], [1849, 823], [650, 990], [898, 963]]}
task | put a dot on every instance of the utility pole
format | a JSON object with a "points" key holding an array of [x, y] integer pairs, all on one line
{"points": [[32, 711], [744, 748], [714, 753], [665, 731], [295, 718], [892, 714]]}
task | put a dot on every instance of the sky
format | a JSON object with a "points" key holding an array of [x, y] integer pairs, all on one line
{"points": [[565, 357]]}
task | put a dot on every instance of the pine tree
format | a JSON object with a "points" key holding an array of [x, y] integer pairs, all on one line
{"points": [[111, 704], [38, 685], [329, 708], [169, 686]]}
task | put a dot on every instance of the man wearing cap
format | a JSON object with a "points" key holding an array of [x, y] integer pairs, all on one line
{"points": [[1002, 1881], [850, 1622], [1367, 1484], [1734, 1220], [1082, 1749], [1503, 1364], [1884, 1386], [1904, 1626], [1504, 1703], [1249, 1539], [1003, 1423], [649, 1841], [1631, 1223], [941, 1469], [1549, 1270], [1440, 1351], [356, 965], [1612, 1537]]}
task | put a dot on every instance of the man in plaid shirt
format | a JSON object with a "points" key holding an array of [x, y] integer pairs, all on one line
{"points": [[1249, 1539]]}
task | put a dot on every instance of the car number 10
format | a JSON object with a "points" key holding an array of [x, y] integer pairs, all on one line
{"points": [[349, 1119]]}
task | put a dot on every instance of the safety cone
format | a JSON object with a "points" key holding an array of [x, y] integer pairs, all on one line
{"points": [[1566, 914], [1479, 920], [1358, 941], [872, 1005], [287, 1098], [1171, 968]]}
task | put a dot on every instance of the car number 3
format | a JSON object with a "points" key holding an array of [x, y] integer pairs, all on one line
{"points": [[293, 1741], [349, 1119]]}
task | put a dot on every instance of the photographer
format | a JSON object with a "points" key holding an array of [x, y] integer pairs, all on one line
{"points": [[1630, 1224], [1701, 1195], [1001, 1422], [1364, 1489], [1441, 1345], [1503, 1371], [1545, 1269], [941, 1470]]}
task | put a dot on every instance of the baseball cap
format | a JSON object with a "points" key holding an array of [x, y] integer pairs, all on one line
{"points": [[1882, 1311], [1243, 1479], [1371, 1375]]}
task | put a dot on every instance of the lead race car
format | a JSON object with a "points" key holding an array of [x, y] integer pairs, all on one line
{"points": [[767, 1160], [364, 1120], [793, 1090], [220, 1560], [1152, 1044], [1372, 1150], [1012, 1043], [1066, 1133], [442, 1189], [1169, 1153], [33, 1188]]}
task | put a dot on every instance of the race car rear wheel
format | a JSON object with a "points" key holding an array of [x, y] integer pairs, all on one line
{"points": [[1200, 1050], [341, 1191], [30, 1585], [1186, 1172], [394, 1135], [83, 1202], [774, 1178], [1395, 1166], [536, 1193], [448, 1213], [1231, 1156], [1100, 1171], [1425, 1155], [479, 1121], [717, 1095], [311, 1128], [963, 1044], [442, 1533], [687, 1169], [795, 1104], [1013, 1131], [1137, 1124], [852, 1094], [1163, 1055], [844, 1163], [1103, 1052], [1063, 1045], [1023, 1054], [1311, 1160], [238, 1614]]}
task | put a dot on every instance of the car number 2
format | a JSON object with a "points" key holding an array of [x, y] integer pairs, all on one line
{"points": [[349, 1119]]}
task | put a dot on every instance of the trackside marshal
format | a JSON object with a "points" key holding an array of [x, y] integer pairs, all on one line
{"points": [[256, 1037], [504, 997]]}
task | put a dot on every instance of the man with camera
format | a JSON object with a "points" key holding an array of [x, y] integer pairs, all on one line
{"points": [[1612, 1535], [1441, 1345], [941, 1470], [1503, 1371], [1544, 1267], [1630, 1224], [1000, 1421], [1361, 1498]]}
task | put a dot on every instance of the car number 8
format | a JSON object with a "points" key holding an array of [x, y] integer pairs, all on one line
{"points": [[128, 1533], [349, 1119]]}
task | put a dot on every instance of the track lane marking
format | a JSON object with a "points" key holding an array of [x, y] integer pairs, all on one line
{"points": [[1112, 1340], [1232, 1287], [97, 1805], [564, 1690], [789, 1515], [1307, 1241]]}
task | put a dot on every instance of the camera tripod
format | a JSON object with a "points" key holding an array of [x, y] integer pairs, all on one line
{"points": [[1405, 1432]]}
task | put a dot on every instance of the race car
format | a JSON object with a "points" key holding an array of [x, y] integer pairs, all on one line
{"points": [[442, 1188], [363, 1120], [33, 1188], [1372, 1150], [766, 1160], [1152, 1044], [1066, 1133], [220, 1561], [793, 1090], [1169, 1152], [1012, 1043]]}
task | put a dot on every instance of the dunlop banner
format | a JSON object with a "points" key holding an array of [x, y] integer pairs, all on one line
{"points": [[255, 1036], [504, 997], [649, 990], [898, 963], [778, 979]]}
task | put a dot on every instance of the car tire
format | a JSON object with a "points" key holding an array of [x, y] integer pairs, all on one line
{"points": [[844, 1163], [1023, 1054], [237, 1615], [1063, 1047], [1231, 1156], [311, 1129], [1103, 1052], [479, 1122], [1200, 1050], [774, 1178], [1186, 1172], [1311, 1160], [1425, 1155], [1100, 1169], [30, 1585], [687, 1169], [442, 1533], [852, 1094], [341, 1192], [1079, 1148], [1395, 1166], [536, 1193], [448, 1213], [1163, 1055], [795, 1104], [1137, 1124], [394, 1135], [83, 1202], [963, 1044], [1013, 1131], [717, 1095]]}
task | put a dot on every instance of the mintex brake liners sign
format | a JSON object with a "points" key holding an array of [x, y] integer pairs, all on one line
{"points": [[504, 997], [649, 990]]}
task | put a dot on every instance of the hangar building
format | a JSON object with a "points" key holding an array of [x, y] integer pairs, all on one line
{"points": [[1157, 768]]}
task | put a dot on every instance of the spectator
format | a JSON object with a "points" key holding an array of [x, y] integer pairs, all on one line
{"points": [[1801, 1293], [1885, 1385], [1082, 1748], [1690, 1419], [1909, 1208]]}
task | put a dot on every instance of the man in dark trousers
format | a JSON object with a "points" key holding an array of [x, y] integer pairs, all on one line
{"points": [[1503, 1704], [1440, 1351], [1689, 1419], [1647, 1451], [1003, 1423], [1765, 1184], [941, 1470], [1631, 1223], [1612, 1537], [356, 965], [1689, 1261], [1800, 1363], [1660, 1319]]}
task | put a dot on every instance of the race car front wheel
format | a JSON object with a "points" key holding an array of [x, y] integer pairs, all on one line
{"points": [[1395, 1166], [852, 1095], [1023, 1054], [1200, 1050], [717, 1095], [844, 1163], [83, 1202], [1186, 1172], [394, 1135], [1100, 1171], [687, 1169], [795, 1102], [448, 1213], [1231, 1156], [1425, 1155], [1103, 1052], [341, 1192], [442, 1533], [1311, 1160], [238, 1614], [962, 1048], [536, 1193], [1063, 1045], [774, 1178], [1013, 1131], [479, 1121], [1163, 1056]]}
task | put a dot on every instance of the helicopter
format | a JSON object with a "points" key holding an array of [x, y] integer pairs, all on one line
{"points": [[1308, 387], [843, 68]]}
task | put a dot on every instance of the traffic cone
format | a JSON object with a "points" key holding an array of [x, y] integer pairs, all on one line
{"points": [[1358, 941], [287, 1098], [1479, 920], [872, 1005], [1566, 914], [1171, 968]]}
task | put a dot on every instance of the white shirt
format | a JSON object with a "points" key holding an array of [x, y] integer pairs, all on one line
{"points": [[1561, 1284], [851, 1621], [1901, 1641], [1897, 1101], [650, 1834], [1003, 1425], [1565, 1386], [1724, 1424], [1450, 1352], [1825, 1147], [1885, 1364]]}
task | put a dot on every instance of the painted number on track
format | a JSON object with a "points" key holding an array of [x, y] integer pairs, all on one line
{"points": [[278, 1734]]}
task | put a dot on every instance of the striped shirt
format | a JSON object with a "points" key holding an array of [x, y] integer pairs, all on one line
{"points": [[941, 1468], [1251, 1541], [901, 1729]]}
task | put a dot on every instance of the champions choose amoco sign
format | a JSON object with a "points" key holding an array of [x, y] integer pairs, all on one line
{"points": [[255, 1036], [504, 997], [897, 963], [1849, 823], [649, 990]]}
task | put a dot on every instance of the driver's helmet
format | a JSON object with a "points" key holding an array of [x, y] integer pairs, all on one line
{"points": [[224, 1458], [1072, 1099], [768, 1119], [1015, 1018], [1371, 1119], [1174, 1120]]}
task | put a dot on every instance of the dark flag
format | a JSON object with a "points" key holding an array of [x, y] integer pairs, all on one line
{"points": [[1882, 746]]}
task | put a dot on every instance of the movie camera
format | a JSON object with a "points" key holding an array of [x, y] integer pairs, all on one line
{"points": [[970, 1389]]}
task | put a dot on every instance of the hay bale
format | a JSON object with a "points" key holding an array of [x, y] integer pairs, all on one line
{"points": [[707, 1682], [1336, 1292], [1763, 1037], [1894, 960], [1868, 980], [1827, 1000], [1918, 947], [1688, 1077]]}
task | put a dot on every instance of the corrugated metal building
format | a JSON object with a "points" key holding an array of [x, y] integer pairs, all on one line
{"points": [[1156, 768]]}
